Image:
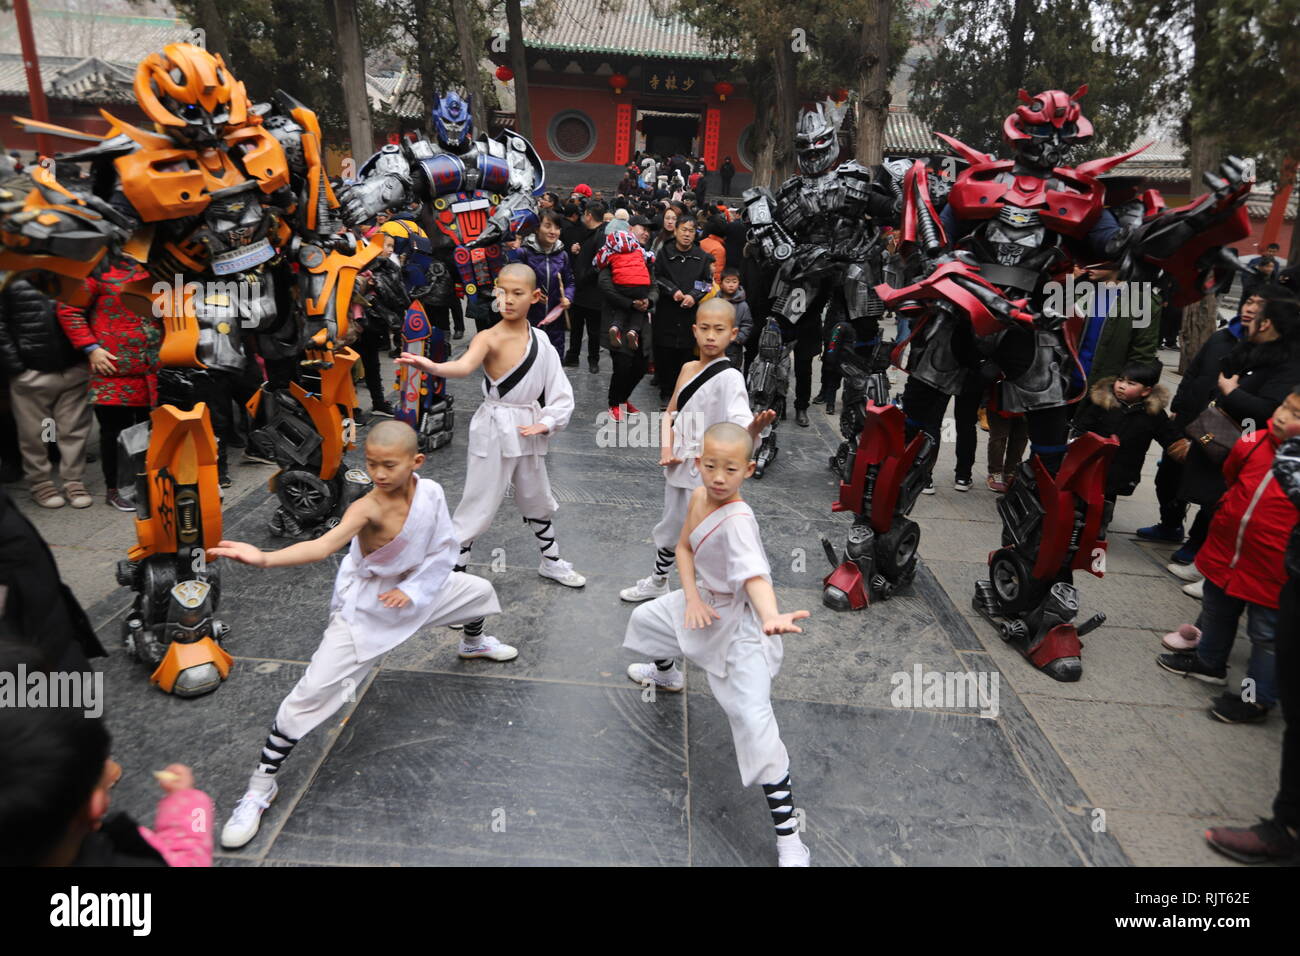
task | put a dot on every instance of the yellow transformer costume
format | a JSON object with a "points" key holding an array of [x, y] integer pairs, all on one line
{"points": [[227, 205]]}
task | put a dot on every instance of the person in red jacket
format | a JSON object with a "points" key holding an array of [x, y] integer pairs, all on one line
{"points": [[1243, 563], [123, 351]]}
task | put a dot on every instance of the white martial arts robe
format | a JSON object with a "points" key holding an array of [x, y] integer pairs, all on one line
{"points": [[739, 659], [499, 456], [418, 561], [723, 398]]}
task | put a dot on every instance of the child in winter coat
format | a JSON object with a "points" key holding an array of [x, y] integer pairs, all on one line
{"points": [[1130, 407], [629, 266], [729, 289], [543, 252], [1244, 563]]}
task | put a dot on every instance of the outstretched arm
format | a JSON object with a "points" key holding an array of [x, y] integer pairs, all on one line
{"points": [[460, 368], [763, 599], [305, 552]]}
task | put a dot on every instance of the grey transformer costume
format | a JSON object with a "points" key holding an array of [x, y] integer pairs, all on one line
{"points": [[822, 230]]}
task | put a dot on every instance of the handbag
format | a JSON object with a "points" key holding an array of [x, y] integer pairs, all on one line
{"points": [[1216, 432]]}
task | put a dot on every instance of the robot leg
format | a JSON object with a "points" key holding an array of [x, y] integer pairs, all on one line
{"points": [[172, 625], [306, 434], [1052, 526], [769, 380], [881, 479], [423, 401]]}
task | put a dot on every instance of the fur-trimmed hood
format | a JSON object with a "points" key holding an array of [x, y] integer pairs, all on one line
{"points": [[1103, 396]]}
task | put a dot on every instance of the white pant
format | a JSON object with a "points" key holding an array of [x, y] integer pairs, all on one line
{"points": [[486, 481], [745, 694], [677, 501], [335, 673]]}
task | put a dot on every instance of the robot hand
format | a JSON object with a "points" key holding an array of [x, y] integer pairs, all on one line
{"points": [[360, 202], [74, 226]]}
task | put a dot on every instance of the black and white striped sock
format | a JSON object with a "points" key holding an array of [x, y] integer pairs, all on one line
{"points": [[545, 537], [665, 558], [473, 630], [276, 748], [462, 561], [781, 802]]}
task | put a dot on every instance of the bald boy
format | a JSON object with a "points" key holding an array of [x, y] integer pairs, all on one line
{"points": [[396, 578]]}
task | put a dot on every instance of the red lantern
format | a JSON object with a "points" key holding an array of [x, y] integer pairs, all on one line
{"points": [[505, 74], [723, 89], [840, 95], [618, 82]]}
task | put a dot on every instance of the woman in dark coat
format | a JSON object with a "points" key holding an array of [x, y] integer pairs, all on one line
{"points": [[684, 274], [1254, 378]]}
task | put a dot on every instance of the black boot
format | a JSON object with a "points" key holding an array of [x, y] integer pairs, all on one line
{"points": [[801, 417]]}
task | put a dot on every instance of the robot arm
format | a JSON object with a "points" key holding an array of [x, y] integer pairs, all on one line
{"points": [[387, 182], [57, 231], [526, 178], [1186, 245], [774, 243]]}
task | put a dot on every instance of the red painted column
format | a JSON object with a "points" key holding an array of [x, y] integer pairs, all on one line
{"points": [[623, 134], [712, 123], [32, 64]]}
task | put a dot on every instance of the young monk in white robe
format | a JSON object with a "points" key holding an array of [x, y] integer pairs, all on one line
{"points": [[725, 620], [526, 398], [397, 577], [709, 391]]}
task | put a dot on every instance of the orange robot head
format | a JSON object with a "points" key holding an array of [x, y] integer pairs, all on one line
{"points": [[189, 93]]}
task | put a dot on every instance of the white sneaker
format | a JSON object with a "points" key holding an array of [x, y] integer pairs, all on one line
{"points": [[644, 590], [671, 680], [929, 487], [562, 571], [246, 819], [1196, 589], [792, 852], [489, 647], [1185, 572]]}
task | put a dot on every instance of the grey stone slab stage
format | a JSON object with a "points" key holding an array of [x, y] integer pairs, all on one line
{"points": [[556, 758]]}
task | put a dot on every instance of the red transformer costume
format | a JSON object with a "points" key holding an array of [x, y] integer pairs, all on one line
{"points": [[228, 207], [1010, 230]]}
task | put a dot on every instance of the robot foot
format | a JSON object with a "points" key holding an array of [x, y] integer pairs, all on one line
{"points": [[1054, 650], [192, 670]]}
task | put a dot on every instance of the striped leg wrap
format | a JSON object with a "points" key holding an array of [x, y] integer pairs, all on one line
{"points": [[462, 561], [276, 748], [781, 802], [545, 537], [664, 560], [665, 665], [474, 629]]}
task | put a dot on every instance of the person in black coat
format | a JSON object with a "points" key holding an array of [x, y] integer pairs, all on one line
{"points": [[1193, 395], [684, 274], [1253, 379], [727, 171], [49, 381], [38, 609], [1131, 407], [584, 314]]}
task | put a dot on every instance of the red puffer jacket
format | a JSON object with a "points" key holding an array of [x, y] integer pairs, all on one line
{"points": [[1245, 550]]}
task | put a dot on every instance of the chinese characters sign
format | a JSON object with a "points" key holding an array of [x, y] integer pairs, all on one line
{"points": [[671, 82]]}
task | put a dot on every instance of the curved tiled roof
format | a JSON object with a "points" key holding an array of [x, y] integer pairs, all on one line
{"points": [[579, 26]]}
